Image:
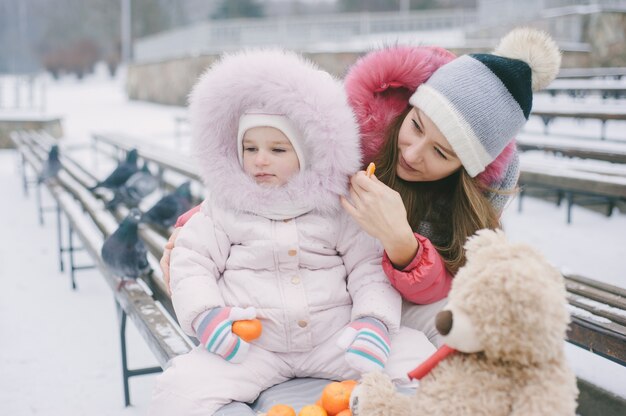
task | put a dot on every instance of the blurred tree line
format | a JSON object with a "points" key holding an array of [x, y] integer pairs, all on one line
{"points": [[70, 36]]}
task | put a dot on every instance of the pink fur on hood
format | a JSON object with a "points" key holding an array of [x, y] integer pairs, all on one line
{"points": [[379, 86], [278, 82]]}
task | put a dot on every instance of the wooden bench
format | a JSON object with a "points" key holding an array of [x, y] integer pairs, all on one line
{"points": [[580, 111], [138, 300], [27, 120], [580, 148], [589, 300], [598, 313], [165, 160], [607, 72], [578, 184], [580, 88]]}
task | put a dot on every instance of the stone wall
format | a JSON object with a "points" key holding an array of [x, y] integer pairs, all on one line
{"points": [[607, 36], [170, 82]]}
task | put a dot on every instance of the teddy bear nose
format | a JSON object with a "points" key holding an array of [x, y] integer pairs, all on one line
{"points": [[443, 322]]}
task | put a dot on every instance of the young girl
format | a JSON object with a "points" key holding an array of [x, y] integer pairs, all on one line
{"points": [[276, 141], [440, 130]]}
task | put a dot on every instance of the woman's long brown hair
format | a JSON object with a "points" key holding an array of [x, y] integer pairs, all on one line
{"points": [[455, 207]]}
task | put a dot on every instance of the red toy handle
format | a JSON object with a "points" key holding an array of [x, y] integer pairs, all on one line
{"points": [[430, 363]]}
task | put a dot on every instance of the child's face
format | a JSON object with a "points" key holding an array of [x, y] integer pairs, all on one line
{"points": [[268, 156]]}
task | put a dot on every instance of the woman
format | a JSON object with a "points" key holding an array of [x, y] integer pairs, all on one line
{"points": [[440, 130]]}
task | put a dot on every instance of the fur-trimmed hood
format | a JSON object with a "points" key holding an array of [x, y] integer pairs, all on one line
{"points": [[279, 82], [379, 86]]}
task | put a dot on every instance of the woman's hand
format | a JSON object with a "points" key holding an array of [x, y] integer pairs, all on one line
{"points": [[165, 259], [380, 212]]}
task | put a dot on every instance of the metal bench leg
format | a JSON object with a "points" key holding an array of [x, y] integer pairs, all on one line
{"points": [[570, 203], [60, 238], [39, 207], [609, 210], [559, 197], [71, 249], [546, 121], [519, 202], [126, 372], [125, 375], [24, 179]]}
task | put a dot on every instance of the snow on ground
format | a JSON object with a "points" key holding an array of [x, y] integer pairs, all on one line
{"points": [[59, 349]]}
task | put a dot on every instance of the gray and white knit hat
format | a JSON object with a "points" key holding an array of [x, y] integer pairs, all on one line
{"points": [[480, 102]]}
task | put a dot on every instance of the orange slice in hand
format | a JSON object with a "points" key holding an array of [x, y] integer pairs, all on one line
{"points": [[248, 329], [371, 168]]}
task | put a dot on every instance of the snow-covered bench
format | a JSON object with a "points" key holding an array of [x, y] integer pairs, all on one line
{"points": [[614, 152], [603, 113], [136, 300], [598, 317], [597, 72], [578, 183], [583, 87], [598, 312]]}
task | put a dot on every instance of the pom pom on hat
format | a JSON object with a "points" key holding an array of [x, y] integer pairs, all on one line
{"points": [[537, 49]]}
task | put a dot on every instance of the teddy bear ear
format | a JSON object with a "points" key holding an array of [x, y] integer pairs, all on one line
{"points": [[485, 238]]}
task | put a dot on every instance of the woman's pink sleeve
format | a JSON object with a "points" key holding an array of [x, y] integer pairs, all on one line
{"points": [[425, 280], [185, 217]]}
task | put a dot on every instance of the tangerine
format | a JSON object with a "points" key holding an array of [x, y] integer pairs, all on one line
{"points": [[336, 397], [281, 410], [248, 329], [312, 410], [351, 384], [346, 412]]}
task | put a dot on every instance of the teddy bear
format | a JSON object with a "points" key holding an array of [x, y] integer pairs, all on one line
{"points": [[505, 325]]}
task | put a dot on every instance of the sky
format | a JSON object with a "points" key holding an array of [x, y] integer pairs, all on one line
{"points": [[59, 349]]}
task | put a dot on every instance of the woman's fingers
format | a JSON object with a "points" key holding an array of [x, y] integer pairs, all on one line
{"points": [[355, 197], [360, 180]]}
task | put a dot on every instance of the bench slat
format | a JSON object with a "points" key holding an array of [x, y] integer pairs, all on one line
{"points": [[599, 295], [589, 334], [597, 308], [619, 291]]}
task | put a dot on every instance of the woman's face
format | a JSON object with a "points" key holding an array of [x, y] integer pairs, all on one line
{"points": [[424, 153]]}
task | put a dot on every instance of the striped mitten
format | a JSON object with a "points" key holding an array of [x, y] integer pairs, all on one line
{"points": [[215, 332], [366, 341]]}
